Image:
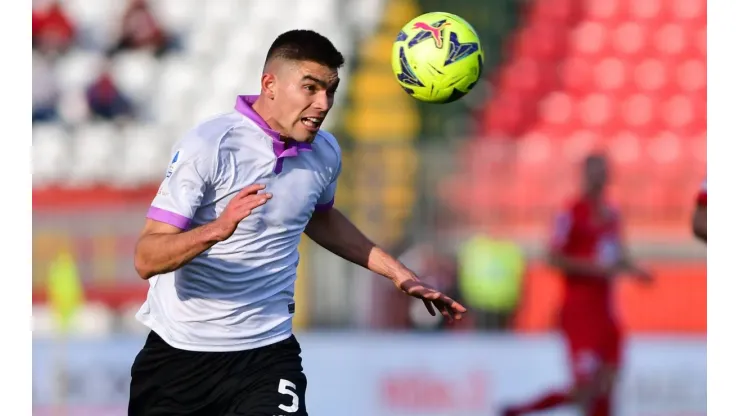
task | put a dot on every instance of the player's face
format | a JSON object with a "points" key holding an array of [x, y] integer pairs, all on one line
{"points": [[596, 174], [304, 94]]}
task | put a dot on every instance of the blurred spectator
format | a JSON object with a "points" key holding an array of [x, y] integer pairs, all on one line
{"points": [[44, 89], [403, 312], [140, 29], [440, 271], [52, 31], [106, 101]]}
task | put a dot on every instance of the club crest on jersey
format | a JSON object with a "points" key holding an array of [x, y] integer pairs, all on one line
{"points": [[173, 164]]}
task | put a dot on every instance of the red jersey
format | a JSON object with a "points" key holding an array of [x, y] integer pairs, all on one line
{"points": [[701, 198], [588, 231]]}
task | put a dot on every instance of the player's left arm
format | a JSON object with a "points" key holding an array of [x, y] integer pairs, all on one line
{"points": [[330, 229], [626, 262]]}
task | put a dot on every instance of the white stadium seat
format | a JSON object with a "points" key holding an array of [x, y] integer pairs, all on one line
{"points": [[224, 45], [73, 108], [144, 154], [51, 154], [99, 20], [78, 69], [178, 80], [221, 12], [95, 154], [134, 73], [177, 15], [241, 44]]}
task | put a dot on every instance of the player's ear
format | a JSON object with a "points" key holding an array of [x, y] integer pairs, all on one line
{"points": [[268, 85]]}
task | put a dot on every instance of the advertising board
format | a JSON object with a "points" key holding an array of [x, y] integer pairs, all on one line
{"points": [[402, 374]]}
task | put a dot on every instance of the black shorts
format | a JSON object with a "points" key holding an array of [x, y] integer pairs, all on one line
{"points": [[266, 381]]}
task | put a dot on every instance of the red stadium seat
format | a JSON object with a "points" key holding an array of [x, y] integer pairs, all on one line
{"points": [[589, 38], [603, 10], [611, 75], [561, 12], [577, 75], [630, 78], [628, 39]]}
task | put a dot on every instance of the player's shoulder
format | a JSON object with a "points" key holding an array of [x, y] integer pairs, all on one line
{"points": [[574, 206], [209, 134], [579, 209], [327, 144]]}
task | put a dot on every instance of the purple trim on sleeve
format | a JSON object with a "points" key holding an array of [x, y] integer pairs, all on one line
{"points": [[324, 207], [168, 217]]}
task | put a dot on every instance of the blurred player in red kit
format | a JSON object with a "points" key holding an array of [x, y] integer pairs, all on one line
{"points": [[699, 220], [587, 247]]}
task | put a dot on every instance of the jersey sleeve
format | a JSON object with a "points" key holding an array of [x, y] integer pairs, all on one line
{"points": [[701, 197], [562, 231], [182, 190], [326, 199]]}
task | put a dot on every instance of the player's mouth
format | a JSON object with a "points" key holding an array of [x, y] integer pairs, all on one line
{"points": [[312, 123]]}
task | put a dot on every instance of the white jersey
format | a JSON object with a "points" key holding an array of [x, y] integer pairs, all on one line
{"points": [[238, 294]]}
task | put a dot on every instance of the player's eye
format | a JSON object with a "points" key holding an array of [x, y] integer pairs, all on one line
{"points": [[309, 88]]}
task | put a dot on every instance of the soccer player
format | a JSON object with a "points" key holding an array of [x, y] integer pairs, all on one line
{"points": [[699, 219], [219, 247], [587, 248]]}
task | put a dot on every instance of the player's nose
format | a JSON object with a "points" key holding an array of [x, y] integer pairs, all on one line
{"points": [[322, 102]]}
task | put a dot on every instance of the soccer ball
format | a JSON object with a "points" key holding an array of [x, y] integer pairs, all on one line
{"points": [[437, 57]]}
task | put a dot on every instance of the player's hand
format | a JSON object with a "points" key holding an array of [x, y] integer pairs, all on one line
{"points": [[240, 206], [432, 298]]}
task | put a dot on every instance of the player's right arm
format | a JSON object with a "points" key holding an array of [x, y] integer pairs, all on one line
{"points": [[167, 241], [163, 247], [699, 219], [558, 253]]}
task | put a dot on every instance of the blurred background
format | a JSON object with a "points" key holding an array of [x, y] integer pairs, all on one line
{"points": [[464, 193]]}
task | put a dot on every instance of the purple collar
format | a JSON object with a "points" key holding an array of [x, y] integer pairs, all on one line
{"points": [[281, 148]]}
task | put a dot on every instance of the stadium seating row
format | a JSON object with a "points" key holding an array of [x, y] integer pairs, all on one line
{"points": [[219, 54]]}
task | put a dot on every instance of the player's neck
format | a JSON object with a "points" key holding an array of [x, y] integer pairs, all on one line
{"points": [[261, 106], [595, 196]]}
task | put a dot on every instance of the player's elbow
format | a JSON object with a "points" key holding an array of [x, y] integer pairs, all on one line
{"points": [[554, 259], [144, 271], [143, 267]]}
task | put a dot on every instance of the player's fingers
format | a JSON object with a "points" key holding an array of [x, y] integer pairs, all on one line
{"points": [[429, 306], [245, 208], [414, 289], [442, 309], [454, 307], [431, 294], [250, 190], [257, 199], [454, 313], [253, 201]]}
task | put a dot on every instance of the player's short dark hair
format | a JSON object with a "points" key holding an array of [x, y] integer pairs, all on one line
{"points": [[305, 45], [595, 158]]}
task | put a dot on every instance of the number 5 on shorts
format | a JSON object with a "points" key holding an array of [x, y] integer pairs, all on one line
{"points": [[285, 387]]}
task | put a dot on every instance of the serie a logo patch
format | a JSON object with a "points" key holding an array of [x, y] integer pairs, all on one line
{"points": [[173, 164]]}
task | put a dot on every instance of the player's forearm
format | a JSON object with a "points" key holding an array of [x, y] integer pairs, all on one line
{"points": [[162, 253], [333, 231]]}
